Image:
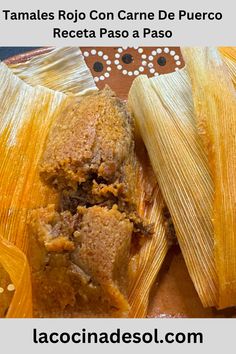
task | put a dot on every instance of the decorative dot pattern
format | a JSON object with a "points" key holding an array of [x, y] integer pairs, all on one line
{"points": [[129, 61], [98, 63], [118, 66]]}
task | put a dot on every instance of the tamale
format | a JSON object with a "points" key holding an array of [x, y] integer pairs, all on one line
{"points": [[93, 164], [164, 115], [215, 106]]}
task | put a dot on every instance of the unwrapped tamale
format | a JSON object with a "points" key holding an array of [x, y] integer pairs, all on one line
{"points": [[80, 251]]}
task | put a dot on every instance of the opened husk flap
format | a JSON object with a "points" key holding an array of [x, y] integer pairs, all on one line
{"points": [[27, 114], [61, 69], [152, 254], [215, 108], [164, 115]]}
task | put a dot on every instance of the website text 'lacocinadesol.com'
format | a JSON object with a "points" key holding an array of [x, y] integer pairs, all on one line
{"points": [[118, 336]]}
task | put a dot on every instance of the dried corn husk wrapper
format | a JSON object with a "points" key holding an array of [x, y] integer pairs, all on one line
{"points": [[228, 55], [16, 265], [164, 115], [26, 116], [27, 113], [62, 69], [215, 106], [148, 261]]}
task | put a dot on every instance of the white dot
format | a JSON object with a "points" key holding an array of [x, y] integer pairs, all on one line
{"points": [[124, 72], [150, 57], [178, 63], [150, 65], [10, 287], [105, 57], [156, 74], [116, 62], [100, 53], [172, 52], [108, 68], [176, 57], [106, 74], [140, 50], [136, 48], [144, 63], [125, 48], [154, 52], [119, 67], [166, 50], [96, 79], [101, 77], [93, 51], [141, 69], [136, 72], [159, 50], [143, 56], [130, 73], [108, 62], [176, 69], [86, 54], [1, 290], [152, 71], [117, 55], [120, 50]]}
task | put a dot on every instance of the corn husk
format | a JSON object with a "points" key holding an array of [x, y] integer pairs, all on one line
{"points": [[152, 254], [27, 114], [164, 115], [215, 106], [62, 69], [15, 263], [228, 55]]}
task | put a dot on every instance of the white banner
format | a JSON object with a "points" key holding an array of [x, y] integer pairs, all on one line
{"points": [[117, 335], [108, 23]]}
